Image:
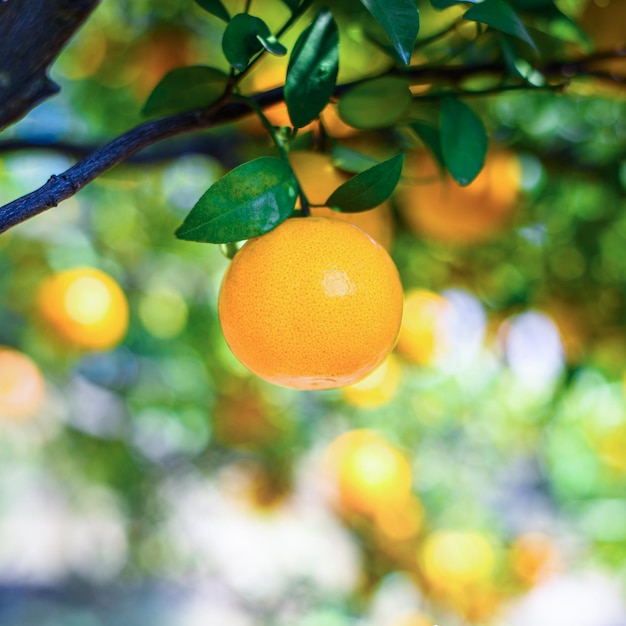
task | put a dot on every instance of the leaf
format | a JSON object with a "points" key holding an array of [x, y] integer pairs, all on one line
{"points": [[247, 202], [350, 160], [444, 4], [244, 36], [377, 103], [369, 188], [400, 19], [463, 140], [312, 70], [292, 4], [186, 88], [499, 15], [272, 45], [215, 7], [430, 136]]}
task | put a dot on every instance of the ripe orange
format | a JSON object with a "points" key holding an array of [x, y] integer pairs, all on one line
{"points": [[422, 335], [21, 385], [534, 557], [319, 178], [314, 304], [438, 208], [377, 388], [371, 474], [85, 307]]}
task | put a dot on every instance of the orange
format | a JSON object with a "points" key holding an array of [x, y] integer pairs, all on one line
{"points": [[422, 334], [84, 307], [319, 178], [377, 388], [370, 474], [438, 208], [314, 304], [21, 385], [454, 559], [534, 557]]}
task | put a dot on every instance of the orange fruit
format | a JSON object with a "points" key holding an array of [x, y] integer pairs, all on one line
{"points": [[455, 559], [377, 388], [313, 304], [440, 209], [370, 474], [319, 178], [534, 557], [422, 334], [85, 307], [21, 385]]}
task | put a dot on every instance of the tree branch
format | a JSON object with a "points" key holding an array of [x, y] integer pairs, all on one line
{"points": [[32, 33], [63, 186]]}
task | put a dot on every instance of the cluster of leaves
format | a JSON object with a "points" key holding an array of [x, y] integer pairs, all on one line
{"points": [[258, 195]]}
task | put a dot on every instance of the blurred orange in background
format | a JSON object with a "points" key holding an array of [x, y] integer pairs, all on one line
{"points": [[83, 307], [22, 387]]}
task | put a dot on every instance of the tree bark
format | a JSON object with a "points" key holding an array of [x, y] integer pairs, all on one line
{"points": [[32, 33]]}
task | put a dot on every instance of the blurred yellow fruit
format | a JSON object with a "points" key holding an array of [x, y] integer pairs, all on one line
{"points": [[454, 559], [319, 178], [85, 307], [534, 557], [22, 386], [414, 619], [401, 520], [422, 334], [438, 208], [377, 388], [370, 473]]}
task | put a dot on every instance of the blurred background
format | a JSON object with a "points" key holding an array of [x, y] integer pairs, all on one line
{"points": [[477, 477]]}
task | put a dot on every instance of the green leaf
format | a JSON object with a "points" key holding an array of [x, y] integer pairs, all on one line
{"points": [[350, 160], [369, 188], [431, 138], [215, 7], [243, 38], [312, 70], [292, 4], [400, 19], [444, 4], [247, 202], [499, 15], [377, 103], [186, 88], [463, 140], [272, 45]]}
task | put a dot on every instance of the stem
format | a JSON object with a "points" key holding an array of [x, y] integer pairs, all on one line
{"points": [[247, 7]]}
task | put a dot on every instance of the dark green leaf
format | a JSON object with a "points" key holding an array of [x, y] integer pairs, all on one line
{"points": [[272, 45], [351, 160], [463, 140], [400, 20], [430, 136], [186, 88], [499, 15], [369, 188], [249, 201], [312, 70], [444, 4], [215, 7], [243, 39], [377, 103]]}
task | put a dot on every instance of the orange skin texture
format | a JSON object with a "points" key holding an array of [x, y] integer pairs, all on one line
{"points": [[84, 307], [22, 387], [319, 178], [440, 209], [314, 304]]}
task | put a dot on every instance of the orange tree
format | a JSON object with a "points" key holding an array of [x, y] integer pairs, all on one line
{"points": [[481, 143]]}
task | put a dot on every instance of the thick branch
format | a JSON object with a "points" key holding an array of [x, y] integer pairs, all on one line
{"points": [[32, 33]]}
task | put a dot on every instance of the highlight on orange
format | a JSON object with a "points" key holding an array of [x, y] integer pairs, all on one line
{"points": [[376, 389], [319, 178], [22, 386], [370, 475], [83, 307], [300, 306], [435, 206], [422, 338]]}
